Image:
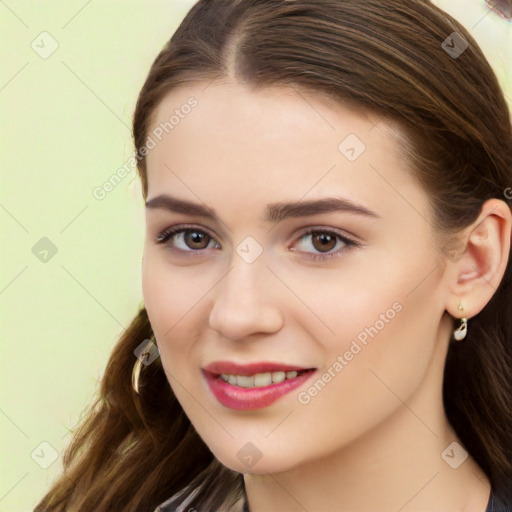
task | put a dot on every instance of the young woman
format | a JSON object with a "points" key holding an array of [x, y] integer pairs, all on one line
{"points": [[326, 273]]}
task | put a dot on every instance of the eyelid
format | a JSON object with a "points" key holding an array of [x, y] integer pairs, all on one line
{"points": [[327, 229], [177, 228]]}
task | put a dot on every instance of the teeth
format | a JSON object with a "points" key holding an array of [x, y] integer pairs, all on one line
{"points": [[278, 376], [259, 380], [262, 379], [245, 381]]}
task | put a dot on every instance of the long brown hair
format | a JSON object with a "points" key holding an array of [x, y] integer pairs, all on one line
{"points": [[131, 451]]}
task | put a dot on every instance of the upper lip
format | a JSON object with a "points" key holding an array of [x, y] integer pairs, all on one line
{"points": [[231, 368]]}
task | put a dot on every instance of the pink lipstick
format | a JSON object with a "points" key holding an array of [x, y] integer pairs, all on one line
{"points": [[255, 385]]}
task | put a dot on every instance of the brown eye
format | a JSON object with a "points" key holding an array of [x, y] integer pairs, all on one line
{"points": [[196, 240], [186, 240], [323, 242]]}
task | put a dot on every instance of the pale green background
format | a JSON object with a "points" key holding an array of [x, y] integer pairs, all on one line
{"points": [[65, 129]]}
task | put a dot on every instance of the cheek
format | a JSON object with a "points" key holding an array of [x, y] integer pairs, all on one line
{"points": [[171, 293], [395, 328], [176, 302], [339, 305], [382, 330]]}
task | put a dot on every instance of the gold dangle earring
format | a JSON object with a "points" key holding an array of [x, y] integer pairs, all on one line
{"points": [[461, 331], [145, 357]]}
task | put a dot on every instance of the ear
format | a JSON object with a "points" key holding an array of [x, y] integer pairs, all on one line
{"points": [[476, 259]]}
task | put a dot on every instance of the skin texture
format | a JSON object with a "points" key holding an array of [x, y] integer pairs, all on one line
{"points": [[372, 438]]}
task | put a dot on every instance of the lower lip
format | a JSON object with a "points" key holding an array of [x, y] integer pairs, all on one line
{"points": [[236, 397]]}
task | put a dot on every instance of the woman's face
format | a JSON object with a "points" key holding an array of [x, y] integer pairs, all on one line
{"points": [[351, 315]]}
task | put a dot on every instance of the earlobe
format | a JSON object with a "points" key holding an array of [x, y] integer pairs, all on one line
{"points": [[474, 276]]}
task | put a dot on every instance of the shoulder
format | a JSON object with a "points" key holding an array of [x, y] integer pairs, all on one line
{"points": [[496, 505]]}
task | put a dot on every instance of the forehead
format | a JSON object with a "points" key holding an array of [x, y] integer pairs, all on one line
{"points": [[277, 143], [238, 109]]}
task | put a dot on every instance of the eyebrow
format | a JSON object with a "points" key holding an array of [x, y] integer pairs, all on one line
{"points": [[275, 212]]}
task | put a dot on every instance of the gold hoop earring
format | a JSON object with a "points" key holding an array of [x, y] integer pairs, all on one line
{"points": [[461, 331], [145, 357]]}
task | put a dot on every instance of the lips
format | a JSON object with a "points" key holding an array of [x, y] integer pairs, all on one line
{"points": [[255, 385]]}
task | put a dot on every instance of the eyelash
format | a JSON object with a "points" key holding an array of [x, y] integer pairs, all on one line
{"points": [[164, 236]]}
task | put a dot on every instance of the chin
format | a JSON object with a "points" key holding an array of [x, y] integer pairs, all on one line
{"points": [[249, 461]]}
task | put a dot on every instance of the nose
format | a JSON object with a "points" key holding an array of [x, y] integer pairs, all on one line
{"points": [[244, 303]]}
